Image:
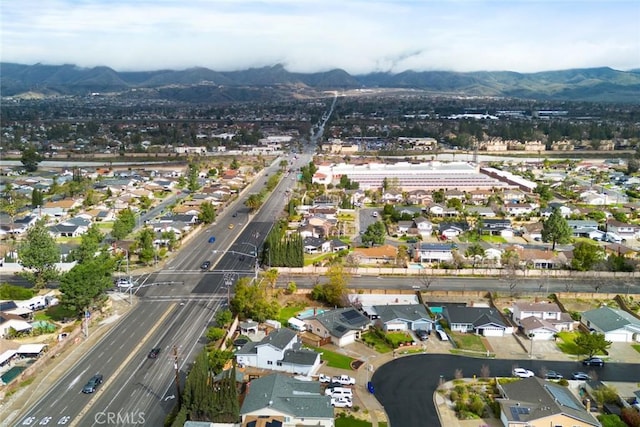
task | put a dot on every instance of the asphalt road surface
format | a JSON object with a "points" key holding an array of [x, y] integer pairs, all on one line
{"points": [[405, 386], [175, 307]]}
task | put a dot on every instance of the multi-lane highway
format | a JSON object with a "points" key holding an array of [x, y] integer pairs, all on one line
{"points": [[175, 306]]}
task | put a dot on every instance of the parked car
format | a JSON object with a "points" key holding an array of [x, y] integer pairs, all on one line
{"points": [[422, 334], [522, 373], [339, 392], [580, 376], [154, 353], [324, 378], [341, 402], [553, 375], [344, 380], [593, 361], [230, 226], [92, 384], [205, 265]]}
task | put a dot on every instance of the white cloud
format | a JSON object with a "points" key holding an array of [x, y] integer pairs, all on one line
{"points": [[358, 36]]}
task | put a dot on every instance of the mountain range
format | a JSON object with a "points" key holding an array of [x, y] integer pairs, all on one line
{"points": [[204, 85]]}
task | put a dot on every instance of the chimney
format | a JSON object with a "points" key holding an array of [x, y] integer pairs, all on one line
{"points": [[587, 403]]}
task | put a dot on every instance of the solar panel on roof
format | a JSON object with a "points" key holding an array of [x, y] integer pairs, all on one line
{"points": [[340, 328], [516, 411], [351, 317], [563, 397]]}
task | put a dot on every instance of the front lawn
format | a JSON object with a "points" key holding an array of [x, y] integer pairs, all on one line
{"points": [[470, 342], [351, 421], [334, 360], [380, 345], [397, 338], [636, 347], [567, 343]]}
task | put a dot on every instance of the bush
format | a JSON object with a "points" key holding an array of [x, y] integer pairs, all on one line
{"points": [[214, 334], [631, 416], [13, 292]]}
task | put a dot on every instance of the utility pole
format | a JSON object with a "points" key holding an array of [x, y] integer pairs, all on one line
{"points": [[177, 370]]}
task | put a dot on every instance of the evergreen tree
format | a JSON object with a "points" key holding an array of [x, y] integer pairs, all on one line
{"points": [[38, 254], [555, 229]]}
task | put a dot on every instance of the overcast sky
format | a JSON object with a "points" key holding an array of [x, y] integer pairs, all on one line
{"points": [[359, 36]]}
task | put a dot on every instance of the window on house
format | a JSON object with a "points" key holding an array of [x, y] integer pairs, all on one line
{"points": [[279, 363], [269, 362]]}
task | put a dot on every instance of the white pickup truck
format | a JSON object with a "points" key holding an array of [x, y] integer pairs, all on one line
{"points": [[344, 380]]}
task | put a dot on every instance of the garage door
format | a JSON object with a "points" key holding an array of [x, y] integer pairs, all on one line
{"points": [[489, 332], [617, 337]]}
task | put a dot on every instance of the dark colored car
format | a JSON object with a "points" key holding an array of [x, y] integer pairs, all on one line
{"points": [[205, 265], [593, 361], [93, 384], [422, 334], [553, 375], [154, 353], [235, 214]]}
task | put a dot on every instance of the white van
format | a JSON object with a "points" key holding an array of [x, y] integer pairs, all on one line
{"points": [[442, 335], [374, 214], [339, 392]]}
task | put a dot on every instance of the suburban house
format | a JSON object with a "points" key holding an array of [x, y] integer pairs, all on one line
{"points": [[626, 231], [480, 320], [450, 230], [433, 252], [279, 351], [286, 402], [541, 319], [515, 209], [481, 211], [534, 402], [385, 254], [316, 245], [405, 317], [496, 227], [343, 325], [338, 245], [424, 226], [12, 321], [616, 325]]}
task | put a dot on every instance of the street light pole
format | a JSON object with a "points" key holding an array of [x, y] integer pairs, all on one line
{"points": [[531, 335]]}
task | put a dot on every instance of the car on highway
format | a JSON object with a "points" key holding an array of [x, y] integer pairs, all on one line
{"points": [[230, 226], [341, 402], [593, 361], [580, 376], [235, 214], [153, 354], [522, 373], [553, 375], [92, 384], [205, 265]]}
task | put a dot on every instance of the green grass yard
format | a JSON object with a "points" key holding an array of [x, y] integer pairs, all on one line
{"points": [[333, 359], [376, 342], [469, 342], [288, 312], [350, 421], [636, 347]]}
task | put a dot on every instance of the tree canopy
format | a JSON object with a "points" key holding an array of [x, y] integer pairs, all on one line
{"points": [[30, 159], [586, 255], [85, 284], [375, 234], [38, 254], [555, 229], [591, 344]]}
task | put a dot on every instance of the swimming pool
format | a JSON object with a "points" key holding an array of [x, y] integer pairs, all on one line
{"points": [[310, 312], [415, 266], [12, 374]]}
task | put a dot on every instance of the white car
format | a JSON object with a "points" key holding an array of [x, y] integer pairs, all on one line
{"points": [[341, 403], [344, 380], [523, 373], [124, 283], [324, 378]]}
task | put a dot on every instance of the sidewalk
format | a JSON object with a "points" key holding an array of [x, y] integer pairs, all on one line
{"points": [[57, 365]]}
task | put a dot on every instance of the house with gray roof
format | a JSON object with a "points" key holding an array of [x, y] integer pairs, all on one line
{"points": [[287, 401], [342, 325], [616, 325], [402, 317], [480, 320], [279, 351], [534, 402]]}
